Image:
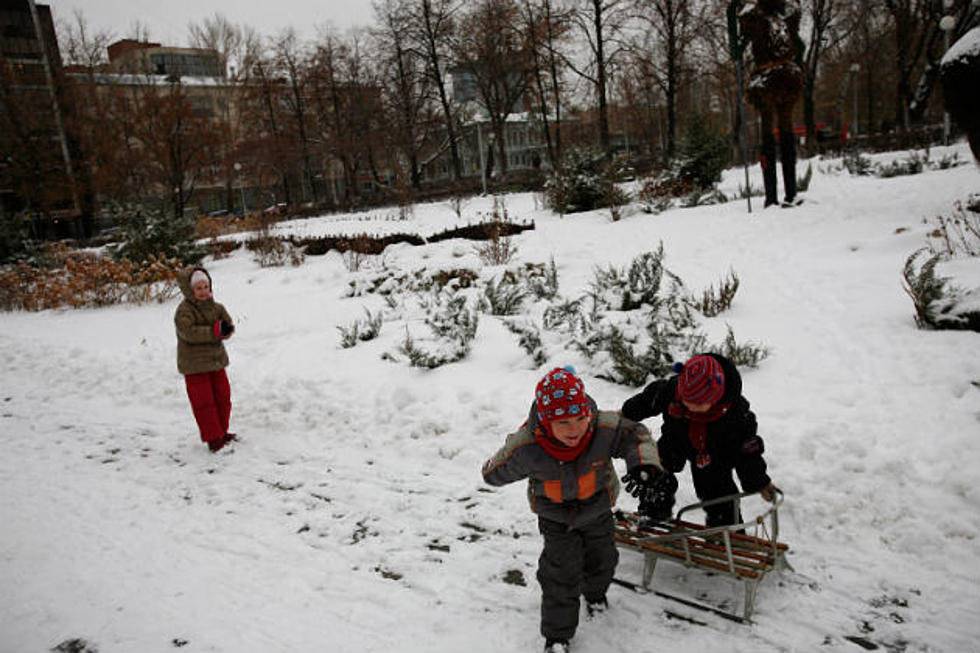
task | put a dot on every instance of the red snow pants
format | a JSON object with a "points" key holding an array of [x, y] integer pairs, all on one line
{"points": [[210, 395]]}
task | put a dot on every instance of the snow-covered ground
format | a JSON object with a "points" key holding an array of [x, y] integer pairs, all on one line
{"points": [[352, 515]]}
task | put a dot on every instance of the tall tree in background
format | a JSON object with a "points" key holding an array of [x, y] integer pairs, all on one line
{"points": [[916, 25], [824, 20], [601, 23], [491, 49], [346, 105], [405, 87], [545, 36], [238, 46], [173, 142], [291, 65], [669, 28], [268, 139], [432, 30], [93, 147]]}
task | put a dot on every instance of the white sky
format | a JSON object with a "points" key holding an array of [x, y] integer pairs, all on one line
{"points": [[166, 21]]}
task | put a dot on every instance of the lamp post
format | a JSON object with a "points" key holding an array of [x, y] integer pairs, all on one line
{"points": [[483, 165], [946, 24], [855, 69], [241, 188]]}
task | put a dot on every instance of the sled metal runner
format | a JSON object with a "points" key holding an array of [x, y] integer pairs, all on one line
{"points": [[745, 551]]}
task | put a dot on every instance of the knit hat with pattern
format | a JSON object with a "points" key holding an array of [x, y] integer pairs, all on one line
{"points": [[560, 395], [702, 381]]}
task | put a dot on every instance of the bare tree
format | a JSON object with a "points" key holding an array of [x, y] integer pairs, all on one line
{"points": [[406, 88], [492, 51], [432, 31], [238, 47], [671, 26], [170, 145], [601, 22], [346, 100], [269, 140], [545, 33], [916, 24], [291, 64], [822, 17], [92, 145]]}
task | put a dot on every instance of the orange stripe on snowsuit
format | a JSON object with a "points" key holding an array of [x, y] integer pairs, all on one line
{"points": [[552, 490]]}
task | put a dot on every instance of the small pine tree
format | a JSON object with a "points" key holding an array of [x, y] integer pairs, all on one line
{"points": [[704, 153], [151, 231], [586, 181]]}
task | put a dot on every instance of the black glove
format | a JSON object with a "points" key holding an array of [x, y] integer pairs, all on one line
{"points": [[654, 488], [641, 477], [227, 328]]}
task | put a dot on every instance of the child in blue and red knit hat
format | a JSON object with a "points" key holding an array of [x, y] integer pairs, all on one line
{"points": [[707, 421], [565, 449]]}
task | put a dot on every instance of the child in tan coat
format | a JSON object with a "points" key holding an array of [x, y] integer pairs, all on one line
{"points": [[202, 326]]}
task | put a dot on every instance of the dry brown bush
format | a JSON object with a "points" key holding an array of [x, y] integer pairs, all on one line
{"points": [[80, 279]]}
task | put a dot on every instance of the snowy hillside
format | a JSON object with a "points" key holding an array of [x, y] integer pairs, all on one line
{"points": [[352, 515]]}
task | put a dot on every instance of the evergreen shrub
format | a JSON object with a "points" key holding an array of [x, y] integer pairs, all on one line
{"points": [[151, 231]]}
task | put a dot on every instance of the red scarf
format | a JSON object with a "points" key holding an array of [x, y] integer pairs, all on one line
{"points": [[556, 449], [697, 428]]}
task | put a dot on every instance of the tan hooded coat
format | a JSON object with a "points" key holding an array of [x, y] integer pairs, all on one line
{"points": [[198, 349]]}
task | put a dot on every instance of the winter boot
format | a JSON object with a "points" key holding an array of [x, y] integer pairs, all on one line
{"points": [[597, 607], [556, 646], [218, 444]]}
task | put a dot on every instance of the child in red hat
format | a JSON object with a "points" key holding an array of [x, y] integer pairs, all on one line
{"points": [[565, 450], [707, 421]]}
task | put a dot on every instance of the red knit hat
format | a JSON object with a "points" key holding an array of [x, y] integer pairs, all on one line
{"points": [[702, 381], [560, 395]]}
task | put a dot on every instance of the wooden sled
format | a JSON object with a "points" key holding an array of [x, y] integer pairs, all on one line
{"points": [[745, 551]]}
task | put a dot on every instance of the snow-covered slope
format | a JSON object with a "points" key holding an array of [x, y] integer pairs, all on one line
{"points": [[352, 516]]}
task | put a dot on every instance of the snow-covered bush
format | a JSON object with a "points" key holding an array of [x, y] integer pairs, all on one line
{"points": [[938, 303], [713, 302], [529, 339], [586, 181], [361, 330], [632, 322], [271, 251], [857, 163], [913, 164], [498, 249], [541, 280], [453, 325], [505, 297], [958, 233]]}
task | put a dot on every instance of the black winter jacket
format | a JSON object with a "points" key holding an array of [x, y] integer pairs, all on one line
{"points": [[732, 439]]}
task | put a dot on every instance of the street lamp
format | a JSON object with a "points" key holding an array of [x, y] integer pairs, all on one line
{"points": [[946, 24], [241, 188], [855, 69], [483, 165]]}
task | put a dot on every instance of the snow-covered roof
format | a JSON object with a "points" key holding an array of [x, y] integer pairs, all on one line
{"points": [[150, 80]]}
